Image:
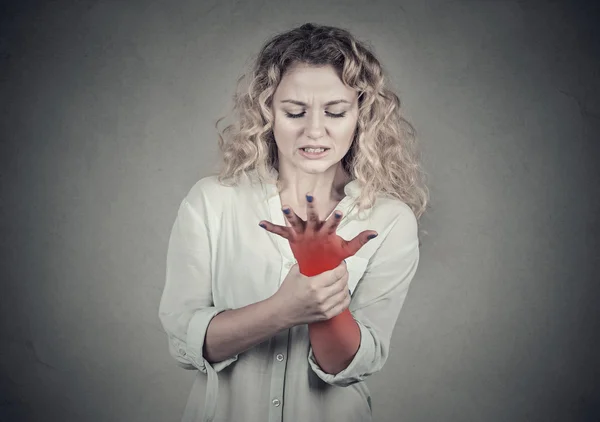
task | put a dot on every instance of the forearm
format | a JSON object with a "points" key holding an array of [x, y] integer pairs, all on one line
{"points": [[335, 341], [237, 330]]}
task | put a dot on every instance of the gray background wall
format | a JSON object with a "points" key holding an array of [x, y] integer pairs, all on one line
{"points": [[107, 121]]}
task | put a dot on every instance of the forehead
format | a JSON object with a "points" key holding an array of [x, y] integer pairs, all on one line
{"points": [[303, 81]]}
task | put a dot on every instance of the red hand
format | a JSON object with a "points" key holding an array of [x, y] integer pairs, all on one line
{"points": [[314, 243], [317, 248]]}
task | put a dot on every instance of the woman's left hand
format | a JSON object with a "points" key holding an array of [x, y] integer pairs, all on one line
{"points": [[314, 243]]}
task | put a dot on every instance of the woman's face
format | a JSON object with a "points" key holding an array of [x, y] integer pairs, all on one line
{"points": [[312, 106]]}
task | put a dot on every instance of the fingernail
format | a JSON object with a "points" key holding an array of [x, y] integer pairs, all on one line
{"points": [[286, 210], [309, 198], [262, 225], [371, 236]]}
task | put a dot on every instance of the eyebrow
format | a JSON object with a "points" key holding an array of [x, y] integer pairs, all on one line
{"points": [[300, 103]]}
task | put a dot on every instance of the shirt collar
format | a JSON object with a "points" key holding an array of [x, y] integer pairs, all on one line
{"points": [[352, 188]]}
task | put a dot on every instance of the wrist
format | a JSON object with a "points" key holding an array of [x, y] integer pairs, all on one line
{"points": [[315, 266]]}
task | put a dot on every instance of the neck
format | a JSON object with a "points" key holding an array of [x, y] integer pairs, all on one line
{"points": [[326, 187]]}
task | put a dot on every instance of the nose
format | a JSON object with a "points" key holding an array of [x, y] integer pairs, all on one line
{"points": [[315, 126]]}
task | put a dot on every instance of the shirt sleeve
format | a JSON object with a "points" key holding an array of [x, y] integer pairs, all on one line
{"points": [[186, 306], [378, 299]]}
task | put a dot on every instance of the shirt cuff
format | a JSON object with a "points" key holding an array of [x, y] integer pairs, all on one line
{"points": [[359, 368], [195, 340]]}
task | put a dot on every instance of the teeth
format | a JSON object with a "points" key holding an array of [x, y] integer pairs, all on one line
{"points": [[314, 150]]}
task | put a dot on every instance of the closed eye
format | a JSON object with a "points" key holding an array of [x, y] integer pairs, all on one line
{"points": [[296, 116]]}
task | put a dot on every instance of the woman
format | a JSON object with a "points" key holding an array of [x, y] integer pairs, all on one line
{"points": [[285, 323]]}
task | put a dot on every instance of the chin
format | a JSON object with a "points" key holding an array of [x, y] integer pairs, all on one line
{"points": [[319, 167]]}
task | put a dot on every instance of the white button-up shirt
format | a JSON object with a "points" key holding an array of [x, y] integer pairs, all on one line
{"points": [[219, 258]]}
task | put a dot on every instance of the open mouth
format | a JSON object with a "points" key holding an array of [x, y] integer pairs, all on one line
{"points": [[315, 154], [314, 150]]}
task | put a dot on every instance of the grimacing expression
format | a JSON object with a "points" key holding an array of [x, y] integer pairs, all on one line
{"points": [[312, 106]]}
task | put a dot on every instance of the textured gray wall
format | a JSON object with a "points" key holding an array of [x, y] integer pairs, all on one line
{"points": [[107, 121]]}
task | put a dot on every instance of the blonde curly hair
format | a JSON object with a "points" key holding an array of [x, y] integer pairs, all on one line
{"points": [[383, 157]]}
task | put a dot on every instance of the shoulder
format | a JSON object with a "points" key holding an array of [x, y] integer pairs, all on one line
{"points": [[205, 186], [405, 216], [394, 211], [396, 222], [207, 191]]}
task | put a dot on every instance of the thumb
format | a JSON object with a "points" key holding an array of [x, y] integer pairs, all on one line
{"points": [[359, 241], [340, 270]]}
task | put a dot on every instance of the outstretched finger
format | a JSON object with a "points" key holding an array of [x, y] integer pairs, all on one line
{"points": [[352, 246], [296, 222], [333, 222], [285, 232], [312, 217]]}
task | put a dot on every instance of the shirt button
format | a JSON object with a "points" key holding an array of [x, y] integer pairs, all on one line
{"points": [[182, 352], [276, 402], [279, 357]]}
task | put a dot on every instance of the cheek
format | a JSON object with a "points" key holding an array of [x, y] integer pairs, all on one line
{"points": [[284, 129], [285, 136], [345, 130]]}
